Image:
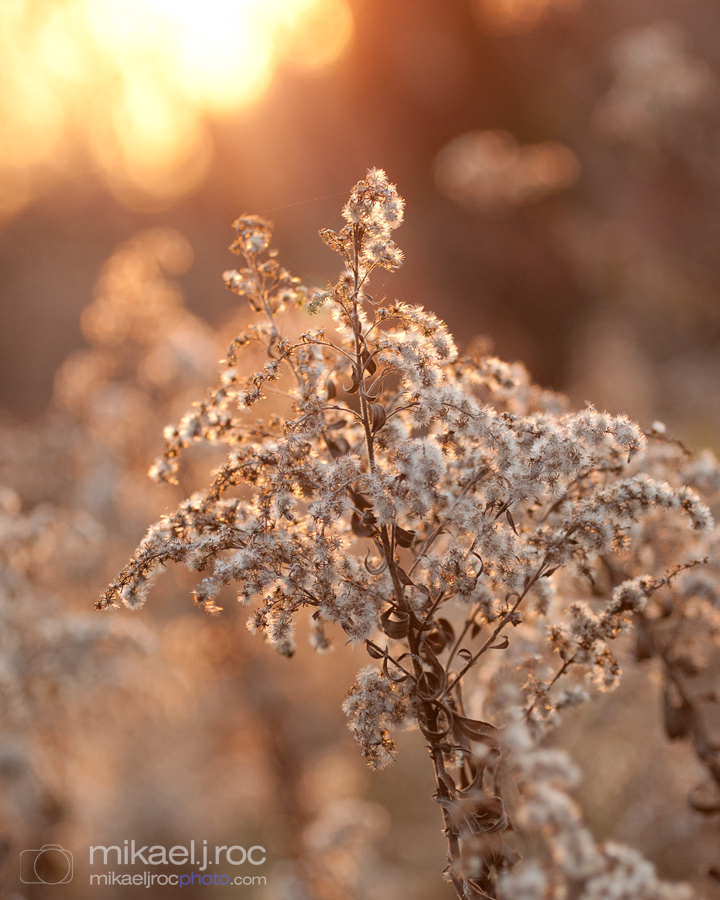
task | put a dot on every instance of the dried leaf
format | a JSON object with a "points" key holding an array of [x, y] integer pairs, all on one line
{"points": [[441, 635], [354, 385], [371, 569], [403, 576], [360, 501], [393, 674], [480, 814], [368, 362], [482, 732], [403, 537], [378, 416], [428, 686], [363, 526], [431, 684], [397, 627], [448, 782], [374, 652], [337, 446], [501, 645]]}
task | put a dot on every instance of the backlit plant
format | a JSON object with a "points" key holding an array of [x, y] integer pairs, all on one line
{"points": [[482, 543]]}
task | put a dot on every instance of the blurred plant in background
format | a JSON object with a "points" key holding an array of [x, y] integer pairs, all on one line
{"points": [[487, 170], [54, 663], [657, 90]]}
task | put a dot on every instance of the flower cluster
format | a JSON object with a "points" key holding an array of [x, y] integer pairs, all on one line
{"points": [[563, 858], [440, 509], [374, 704]]}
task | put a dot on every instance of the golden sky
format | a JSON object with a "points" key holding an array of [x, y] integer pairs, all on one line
{"points": [[126, 87]]}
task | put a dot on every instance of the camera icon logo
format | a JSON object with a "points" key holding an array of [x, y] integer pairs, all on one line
{"points": [[51, 864]]}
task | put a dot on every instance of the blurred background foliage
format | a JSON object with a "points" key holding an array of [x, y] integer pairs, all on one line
{"points": [[561, 165]]}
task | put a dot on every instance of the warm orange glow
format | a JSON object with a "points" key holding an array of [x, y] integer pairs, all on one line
{"points": [[520, 15], [137, 80]]}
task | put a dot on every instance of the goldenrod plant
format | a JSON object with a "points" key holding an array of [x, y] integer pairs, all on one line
{"points": [[485, 545]]}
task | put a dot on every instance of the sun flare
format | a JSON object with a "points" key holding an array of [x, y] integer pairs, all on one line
{"points": [[136, 80]]}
